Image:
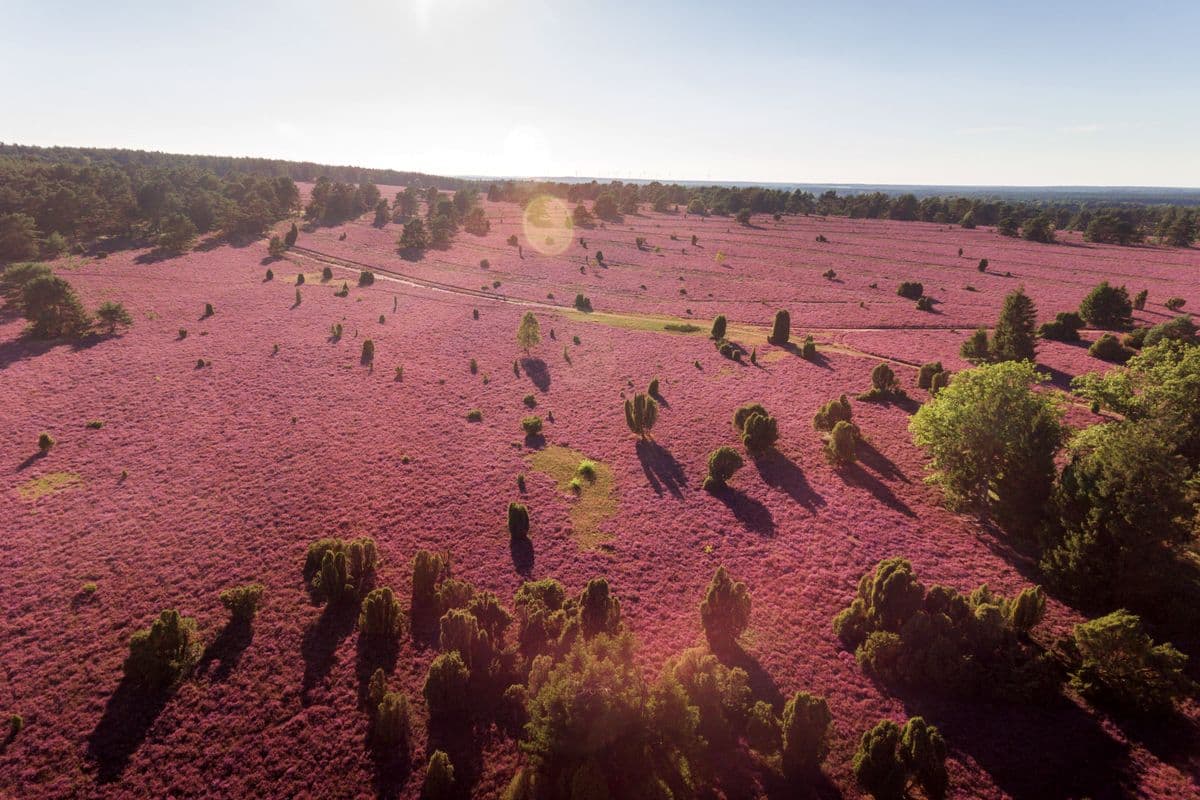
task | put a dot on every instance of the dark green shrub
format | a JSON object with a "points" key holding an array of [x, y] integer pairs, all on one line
{"points": [[45, 442], [473, 366], [164, 652], [429, 571], [725, 611], [16, 724], [983, 265], [392, 727], [242, 601], [781, 329], [1107, 307], [722, 464], [327, 274], [1014, 338], [718, 328], [1120, 664], [518, 521], [366, 278], [744, 412], [809, 349], [977, 348], [446, 688], [832, 413], [925, 303], [582, 303], [340, 569], [1174, 303], [652, 389], [95, 424], [910, 289], [474, 415], [53, 308], [532, 426], [641, 412], [439, 778], [1064, 328], [805, 729], [890, 758], [381, 619], [300, 279], [884, 385], [926, 372], [270, 275], [829, 274], [599, 610], [1109, 348], [276, 248], [530, 401], [940, 381], [113, 315], [1180, 329], [840, 449], [290, 237], [368, 351], [1139, 300], [542, 610]]}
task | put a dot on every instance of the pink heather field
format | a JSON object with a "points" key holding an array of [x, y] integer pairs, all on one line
{"points": [[203, 477]]}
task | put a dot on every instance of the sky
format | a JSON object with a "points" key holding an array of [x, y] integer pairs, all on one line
{"points": [[964, 92]]}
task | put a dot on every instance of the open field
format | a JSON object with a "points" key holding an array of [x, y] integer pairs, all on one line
{"points": [[205, 477]]}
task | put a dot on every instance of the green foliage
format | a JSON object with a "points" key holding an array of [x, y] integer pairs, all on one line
{"points": [[781, 329], [366, 278], [1014, 338], [806, 727], [1120, 664], [532, 426], [759, 430], [652, 389], [475, 415], [983, 265], [833, 412], [290, 237], [599, 609], [392, 728], [725, 610], [439, 778], [722, 464], [809, 349], [518, 521], [641, 412], [414, 238], [926, 372], [939, 381], [368, 351], [113, 315], [52, 308], [1064, 328], [543, 612], [911, 289], [276, 248], [1038, 229], [925, 303], [991, 440], [718, 328], [1109, 348], [242, 601], [177, 234], [1107, 307], [890, 758], [884, 385], [977, 349], [1179, 329], [429, 571], [164, 652], [841, 447], [18, 237], [1174, 303], [45, 442], [446, 688], [340, 569], [528, 332], [381, 618]]}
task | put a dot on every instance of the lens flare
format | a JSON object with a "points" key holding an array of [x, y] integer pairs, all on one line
{"points": [[548, 225]]}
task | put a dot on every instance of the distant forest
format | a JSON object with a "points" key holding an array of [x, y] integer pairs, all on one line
{"points": [[56, 198]]}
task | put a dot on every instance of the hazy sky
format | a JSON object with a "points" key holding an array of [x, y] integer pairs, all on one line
{"points": [[1061, 92]]}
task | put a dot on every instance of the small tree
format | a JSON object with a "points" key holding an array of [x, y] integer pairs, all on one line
{"points": [[446, 688], [641, 412], [926, 372], [1107, 307], [415, 237], [439, 778], [176, 234], [528, 332], [368, 352], [1139, 299], [840, 449], [242, 601], [911, 289], [1014, 338], [977, 349], [392, 727], [45, 442], [889, 758], [161, 654], [722, 464], [1121, 664], [718, 328], [725, 611], [781, 329], [53, 308], [806, 726], [832, 413], [381, 620], [518, 521], [276, 248], [289, 238], [18, 237], [112, 315]]}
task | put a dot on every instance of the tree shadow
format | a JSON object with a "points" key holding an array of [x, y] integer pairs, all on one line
{"points": [[755, 516], [538, 372], [535, 441], [877, 461], [392, 770], [855, 474], [412, 254], [32, 459], [158, 255], [521, 550], [780, 472], [761, 684], [817, 359], [128, 717], [1026, 747], [459, 740], [26, 347], [1058, 378], [661, 468], [226, 650], [1172, 738], [320, 643]]}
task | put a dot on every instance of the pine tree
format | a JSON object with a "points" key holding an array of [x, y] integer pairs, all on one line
{"points": [[1016, 332]]}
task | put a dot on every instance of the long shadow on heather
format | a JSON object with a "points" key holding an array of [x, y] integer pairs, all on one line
{"points": [[320, 643], [521, 550], [780, 472], [128, 717], [755, 516], [876, 461], [661, 468], [856, 475], [538, 373], [226, 650]]}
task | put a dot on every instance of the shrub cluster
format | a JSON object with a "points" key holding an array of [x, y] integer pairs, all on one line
{"points": [[163, 653], [641, 412], [911, 289], [890, 759], [340, 570], [1064, 328], [758, 429], [242, 601], [722, 464], [884, 385], [1109, 348]]}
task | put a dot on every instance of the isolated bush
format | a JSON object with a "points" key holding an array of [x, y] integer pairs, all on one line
{"points": [[1064, 328], [368, 351], [392, 725], [380, 619], [884, 385], [926, 372], [528, 332], [161, 654], [781, 329], [809, 349], [439, 778], [725, 611], [340, 569], [1014, 338], [743, 217], [925, 303], [806, 727], [1174, 303], [1038, 229], [583, 303], [911, 289], [840, 449], [415, 237], [176, 234], [718, 328], [270, 276], [1107, 307], [532, 426], [366, 278], [1139, 300], [300, 279], [52, 308], [475, 415], [833, 412], [641, 412], [113, 315], [276, 248], [722, 464], [242, 601], [983, 265], [1109, 348], [518, 521], [429, 570], [290, 237], [45, 442], [1120, 664], [327, 273], [652, 389], [599, 609], [1180, 329]]}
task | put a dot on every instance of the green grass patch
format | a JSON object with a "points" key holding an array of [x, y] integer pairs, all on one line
{"points": [[593, 501], [51, 483]]}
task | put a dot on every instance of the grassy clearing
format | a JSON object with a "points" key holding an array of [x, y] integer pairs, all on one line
{"points": [[51, 483], [592, 503]]}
